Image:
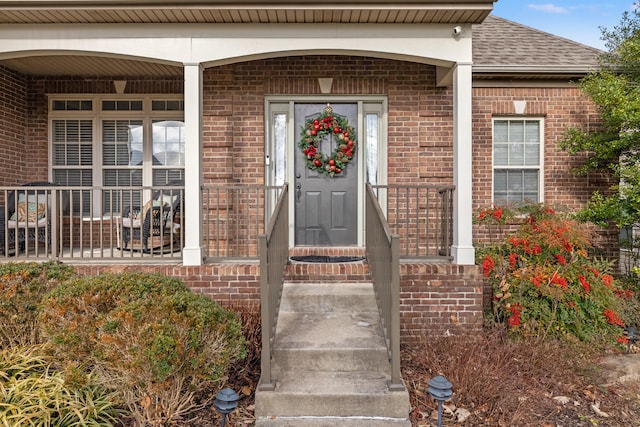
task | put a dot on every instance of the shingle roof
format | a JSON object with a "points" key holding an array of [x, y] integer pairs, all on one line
{"points": [[503, 46]]}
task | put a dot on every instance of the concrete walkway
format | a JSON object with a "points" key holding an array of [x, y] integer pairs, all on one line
{"points": [[620, 368]]}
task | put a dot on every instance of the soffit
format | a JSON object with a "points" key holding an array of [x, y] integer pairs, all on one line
{"points": [[87, 66], [242, 11]]}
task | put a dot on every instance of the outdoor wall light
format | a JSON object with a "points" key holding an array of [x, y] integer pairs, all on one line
{"points": [[226, 401], [440, 390], [119, 86]]}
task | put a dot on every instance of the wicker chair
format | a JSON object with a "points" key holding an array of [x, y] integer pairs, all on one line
{"points": [[155, 222], [28, 218]]}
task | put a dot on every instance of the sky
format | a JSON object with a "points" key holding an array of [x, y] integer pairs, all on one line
{"points": [[578, 20]]}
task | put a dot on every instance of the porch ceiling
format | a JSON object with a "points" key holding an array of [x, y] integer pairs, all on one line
{"points": [[85, 66], [244, 11]]}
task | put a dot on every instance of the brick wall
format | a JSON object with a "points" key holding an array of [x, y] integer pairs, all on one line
{"points": [[420, 122], [420, 119], [420, 140], [439, 299], [13, 131], [229, 284], [420, 115], [434, 297], [561, 108]]}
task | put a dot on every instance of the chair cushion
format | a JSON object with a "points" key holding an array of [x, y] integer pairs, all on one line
{"points": [[41, 223], [153, 204], [169, 200], [29, 212], [131, 222]]}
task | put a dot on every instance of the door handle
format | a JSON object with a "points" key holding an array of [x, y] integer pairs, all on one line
{"points": [[298, 192]]}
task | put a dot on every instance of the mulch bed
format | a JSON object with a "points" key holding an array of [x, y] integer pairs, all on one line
{"points": [[499, 383]]}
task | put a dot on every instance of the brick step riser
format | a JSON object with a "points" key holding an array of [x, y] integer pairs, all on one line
{"points": [[327, 251], [356, 272]]}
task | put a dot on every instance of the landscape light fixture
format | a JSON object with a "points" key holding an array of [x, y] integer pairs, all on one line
{"points": [[226, 401], [632, 336], [440, 390]]}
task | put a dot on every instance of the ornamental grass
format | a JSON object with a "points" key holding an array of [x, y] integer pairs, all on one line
{"points": [[34, 394]]}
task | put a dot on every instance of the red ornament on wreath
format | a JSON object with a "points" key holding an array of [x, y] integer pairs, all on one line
{"points": [[315, 130]]}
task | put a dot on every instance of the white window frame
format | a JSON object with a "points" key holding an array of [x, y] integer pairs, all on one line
{"points": [[97, 115], [539, 167]]}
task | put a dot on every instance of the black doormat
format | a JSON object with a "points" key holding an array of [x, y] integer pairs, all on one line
{"points": [[326, 258]]}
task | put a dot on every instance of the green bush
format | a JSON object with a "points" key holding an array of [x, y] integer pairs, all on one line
{"points": [[545, 283], [148, 335], [34, 394], [22, 287]]}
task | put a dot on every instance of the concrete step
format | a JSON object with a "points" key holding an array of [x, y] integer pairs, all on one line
{"points": [[332, 422], [328, 298], [333, 394], [332, 341], [330, 362]]}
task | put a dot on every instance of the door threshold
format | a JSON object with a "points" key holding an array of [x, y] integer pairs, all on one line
{"points": [[326, 259]]}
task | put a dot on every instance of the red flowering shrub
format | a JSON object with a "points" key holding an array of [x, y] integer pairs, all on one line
{"points": [[496, 215], [546, 284]]}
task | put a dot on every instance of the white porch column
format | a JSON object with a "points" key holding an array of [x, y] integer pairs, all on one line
{"points": [[192, 251], [462, 249]]}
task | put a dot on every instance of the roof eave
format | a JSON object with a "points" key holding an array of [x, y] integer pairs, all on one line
{"points": [[235, 3], [535, 69], [244, 11]]}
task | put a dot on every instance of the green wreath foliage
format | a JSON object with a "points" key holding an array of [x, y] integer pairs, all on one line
{"points": [[315, 130]]}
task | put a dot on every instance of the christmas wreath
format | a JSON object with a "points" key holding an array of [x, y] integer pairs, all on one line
{"points": [[315, 130]]}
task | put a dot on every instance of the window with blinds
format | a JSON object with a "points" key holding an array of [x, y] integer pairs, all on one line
{"points": [[517, 161], [72, 159], [115, 143], [122, 162]]}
